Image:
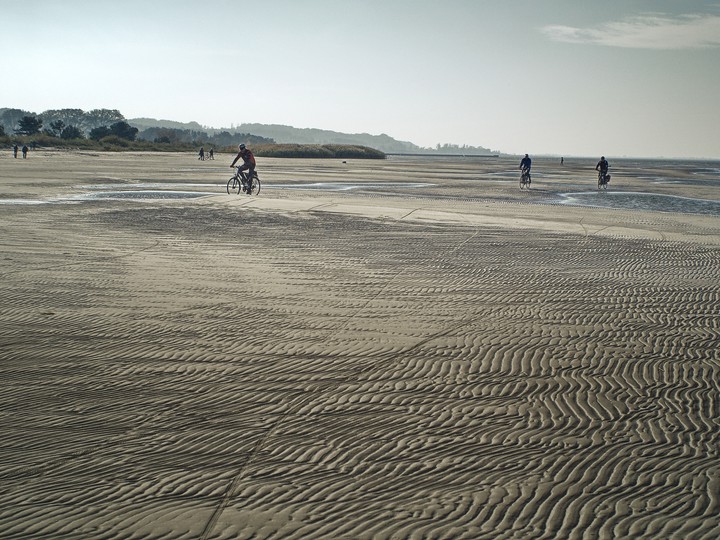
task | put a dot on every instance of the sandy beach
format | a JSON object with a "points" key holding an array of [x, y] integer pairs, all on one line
{"points": [[406, 348]]}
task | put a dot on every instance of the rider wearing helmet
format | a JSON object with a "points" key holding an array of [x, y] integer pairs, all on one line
{"points": [[248, 160], [602, 165], [525, 164]]}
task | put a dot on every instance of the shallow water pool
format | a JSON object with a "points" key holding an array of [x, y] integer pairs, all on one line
{"points": [[625, 200], [140, 194]]}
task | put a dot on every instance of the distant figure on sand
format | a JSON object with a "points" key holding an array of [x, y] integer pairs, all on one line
{"points": [[603, 177], [201, 156], [602, 165], [525, 163], [562, 160], [211, 154], [24, 151], [15, 150], [248, 160]]}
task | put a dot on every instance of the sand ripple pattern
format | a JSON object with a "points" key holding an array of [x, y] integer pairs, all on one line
{"points": [[183, 372]]}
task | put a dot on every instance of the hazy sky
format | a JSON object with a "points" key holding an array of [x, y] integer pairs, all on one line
{"points": [[565, 77]]}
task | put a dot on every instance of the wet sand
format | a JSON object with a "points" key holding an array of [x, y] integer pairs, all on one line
{"points": [[408, 348]]}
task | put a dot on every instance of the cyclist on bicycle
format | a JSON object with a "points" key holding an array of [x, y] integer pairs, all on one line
{"points": [[248, 160], [525, 164], [603, 167]]}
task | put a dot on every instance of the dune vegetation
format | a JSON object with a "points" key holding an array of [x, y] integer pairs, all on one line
{"points": [[114, 143], [340, 151]]}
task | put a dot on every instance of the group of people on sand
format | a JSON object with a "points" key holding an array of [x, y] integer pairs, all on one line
{"points": [[202, 156], [248, 159], [602, 166], [25, 150]]}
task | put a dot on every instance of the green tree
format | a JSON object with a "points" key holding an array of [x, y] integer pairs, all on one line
{"points": [[99, 132], [103, 117], [56, 128], [161, 135], [72, 132], [29, 125], [123, 130], [70, 117], [2, 130], [9, 118]]}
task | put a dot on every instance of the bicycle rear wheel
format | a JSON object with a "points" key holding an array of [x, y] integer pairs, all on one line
{"points": [[233, 185], [524, 181], [255, 185]]}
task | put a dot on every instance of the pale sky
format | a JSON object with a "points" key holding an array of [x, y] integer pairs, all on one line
{"points": [[566, 77]]}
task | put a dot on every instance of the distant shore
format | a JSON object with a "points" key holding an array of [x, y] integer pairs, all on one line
{"points": [[419, 154]]}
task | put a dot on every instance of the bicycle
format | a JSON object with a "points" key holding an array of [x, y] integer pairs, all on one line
{"points": [[239, 183], [603, 179], [525, 178]]}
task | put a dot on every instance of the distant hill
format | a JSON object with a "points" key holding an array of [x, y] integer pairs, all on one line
{"points": [[147, 123], [191, 132], [288, 134], [291, 135]]}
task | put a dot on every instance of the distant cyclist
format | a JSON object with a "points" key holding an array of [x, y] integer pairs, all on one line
{"points": [[525, 164], [248, 160], [603, 167]]}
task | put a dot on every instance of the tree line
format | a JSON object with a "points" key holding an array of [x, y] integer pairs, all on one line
{"points": [[28, 126], [75, 119], [68, 127], [107, 129]]}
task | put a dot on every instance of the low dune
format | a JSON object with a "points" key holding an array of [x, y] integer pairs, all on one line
{"points": [[407, 348]]}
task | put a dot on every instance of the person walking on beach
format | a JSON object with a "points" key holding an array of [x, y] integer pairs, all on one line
{"points": [[248, 160], [201, 156], [15, 150], [24, 151], [211, 154]]}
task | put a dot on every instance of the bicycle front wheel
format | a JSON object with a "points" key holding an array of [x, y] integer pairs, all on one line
{"points": [[233, 186]]}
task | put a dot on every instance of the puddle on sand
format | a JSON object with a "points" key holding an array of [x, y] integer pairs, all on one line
{"points": [[625, 200], [140, 194], [348, 186], [153, 190], [22, 201], [126, 194], [148, 185]]}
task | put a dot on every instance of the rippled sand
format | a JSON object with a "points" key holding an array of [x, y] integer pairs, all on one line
{"points": [[452, 360]]}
